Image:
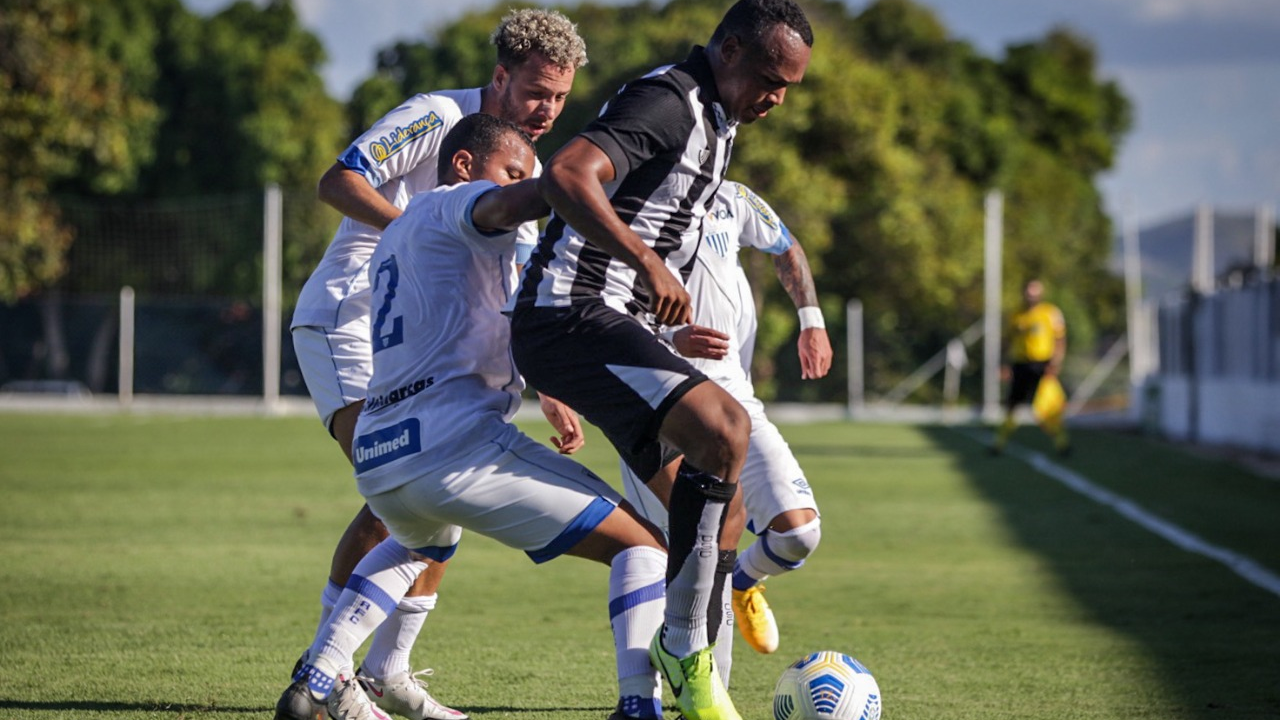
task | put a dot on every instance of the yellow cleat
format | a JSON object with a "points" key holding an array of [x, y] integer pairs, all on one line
{"points": [[755, 619], [695, 682]]}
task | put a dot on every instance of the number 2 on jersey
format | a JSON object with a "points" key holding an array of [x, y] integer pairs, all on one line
{"points": [[396, 335]]}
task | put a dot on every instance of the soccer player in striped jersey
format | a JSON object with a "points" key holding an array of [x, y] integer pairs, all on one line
{"points": [[538, 52], [720, 341], [629, 195]]}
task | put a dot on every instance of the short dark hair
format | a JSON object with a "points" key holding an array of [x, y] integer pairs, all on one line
{"points": [[480, 134], [749, 20]]}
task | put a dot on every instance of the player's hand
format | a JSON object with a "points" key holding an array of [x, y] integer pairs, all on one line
{"points": [[669, 300], [815, 353], [696, 341], [565, 422]]}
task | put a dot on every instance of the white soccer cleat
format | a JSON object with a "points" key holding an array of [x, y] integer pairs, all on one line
{"points": [[405, 694], [348, 701]]}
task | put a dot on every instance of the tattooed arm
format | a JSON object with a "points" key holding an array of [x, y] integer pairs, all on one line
{"points": [[814, 346]]}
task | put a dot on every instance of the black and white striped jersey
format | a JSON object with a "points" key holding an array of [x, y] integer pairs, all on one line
{"points": [[669, 140]]}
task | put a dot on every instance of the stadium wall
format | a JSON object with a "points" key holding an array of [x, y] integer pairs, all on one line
{"points": [[1218, 374]]}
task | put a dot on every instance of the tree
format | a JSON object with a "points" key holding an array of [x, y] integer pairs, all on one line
{"points": [[878, 161], [246, 106], [66, 111]]}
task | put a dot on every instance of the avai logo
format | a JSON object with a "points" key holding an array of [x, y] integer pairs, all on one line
{"points": [[394, 141], [381, 447], [720, 243]]}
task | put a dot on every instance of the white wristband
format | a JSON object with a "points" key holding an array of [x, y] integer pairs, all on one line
{"points": [[811, 317]]}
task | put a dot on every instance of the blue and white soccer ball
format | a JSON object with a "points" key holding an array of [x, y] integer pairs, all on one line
{"points": [[826, 685]]}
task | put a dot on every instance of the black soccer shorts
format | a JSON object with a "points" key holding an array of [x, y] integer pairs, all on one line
{"points": [[610, 369]]}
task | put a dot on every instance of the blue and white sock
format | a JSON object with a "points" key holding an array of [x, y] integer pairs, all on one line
{"points": [[377, 584], [637, 593], [776, 553]]}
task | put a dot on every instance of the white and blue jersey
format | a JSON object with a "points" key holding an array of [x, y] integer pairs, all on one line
{"points": [[398, 156], [441, 347], [434, 450], [718, 289]]}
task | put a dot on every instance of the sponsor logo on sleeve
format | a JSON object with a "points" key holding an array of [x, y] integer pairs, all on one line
{"points": [[391, 443], [767, 217], [396, 140]]}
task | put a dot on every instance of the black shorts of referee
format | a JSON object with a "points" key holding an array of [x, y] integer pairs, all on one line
{"points": [[1024, 380]]}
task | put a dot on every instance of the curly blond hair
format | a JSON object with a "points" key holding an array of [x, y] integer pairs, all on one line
{"points": [[524, 32]]}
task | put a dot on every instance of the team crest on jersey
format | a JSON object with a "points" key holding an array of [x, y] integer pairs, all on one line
{"points": [[720, 243], [767, 217], [393, 142]]}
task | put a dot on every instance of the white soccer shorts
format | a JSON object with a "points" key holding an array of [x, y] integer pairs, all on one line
{"points": [[771, 481], [507, 487], [336, 364]]}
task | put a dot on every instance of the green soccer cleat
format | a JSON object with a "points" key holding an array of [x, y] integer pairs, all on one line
{"points": [[695, 682]]}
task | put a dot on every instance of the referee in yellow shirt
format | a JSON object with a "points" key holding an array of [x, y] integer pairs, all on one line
{"points": [[1037, 345]]}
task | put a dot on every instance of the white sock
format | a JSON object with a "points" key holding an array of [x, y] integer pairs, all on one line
{"points": [[328, 598], [377, 584], [723, 650], [394, 638], [637, 580]]}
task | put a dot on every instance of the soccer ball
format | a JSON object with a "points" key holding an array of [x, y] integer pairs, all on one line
{"points": [[826, 685]]}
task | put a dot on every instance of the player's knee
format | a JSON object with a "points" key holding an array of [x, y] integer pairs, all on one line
{"points": [[730, 432], [798, 543]]}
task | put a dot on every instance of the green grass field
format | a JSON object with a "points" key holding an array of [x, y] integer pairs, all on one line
{"points": [[170, 567]]}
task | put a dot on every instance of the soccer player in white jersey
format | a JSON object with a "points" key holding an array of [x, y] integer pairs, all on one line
{"points": [[720, 341], [538, 53], [434, 448], [629, 195]]}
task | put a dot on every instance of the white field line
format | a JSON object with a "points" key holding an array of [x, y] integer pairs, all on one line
{"points": [[1239, 564]]}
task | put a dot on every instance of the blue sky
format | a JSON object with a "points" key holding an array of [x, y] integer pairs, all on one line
{"points": [[1204, 76]]}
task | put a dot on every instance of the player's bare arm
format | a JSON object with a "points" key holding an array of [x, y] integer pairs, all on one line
{"points": [[348, 192], [573, 184], [796, 277], [509, 207]]}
